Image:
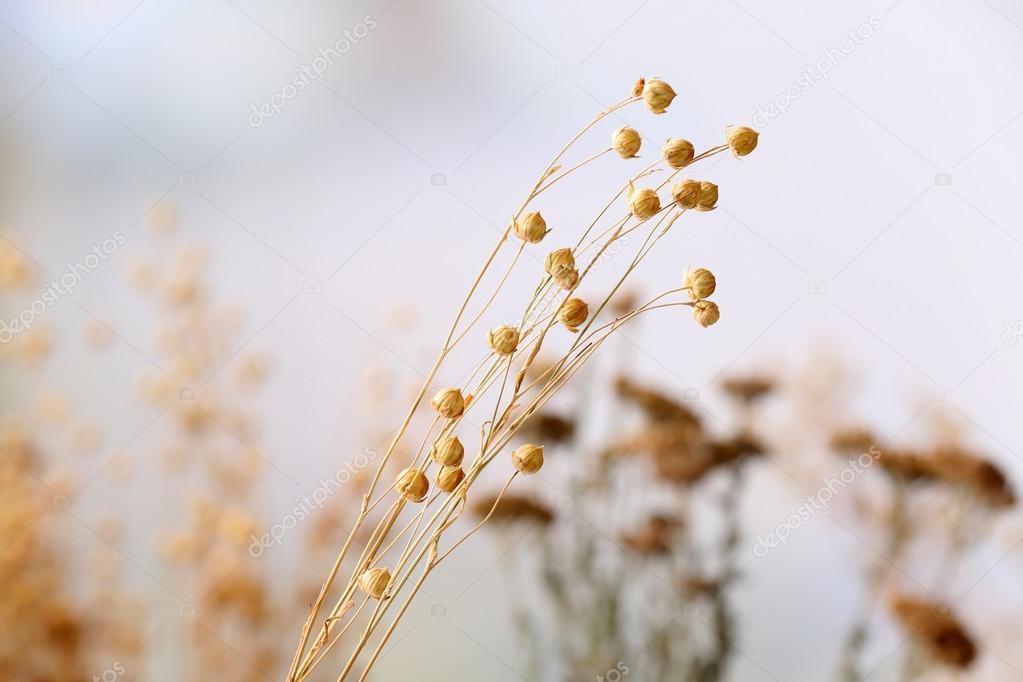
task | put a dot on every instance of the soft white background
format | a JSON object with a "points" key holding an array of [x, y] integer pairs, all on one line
{"points": [[880, 215]]}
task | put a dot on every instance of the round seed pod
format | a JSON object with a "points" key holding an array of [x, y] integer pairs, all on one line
{"points": [[531, 228], [448, 478], [413, 485], [528, 458], [573, 314], [706, 312], [708, 198], [503, 340], [678, 152], [374, 581], [448, 402], [559, 260], [448, 451], [741, 140], [626, 141], [644, 203], [686, 193], [567, 279], [657, 95], [700, 282]]}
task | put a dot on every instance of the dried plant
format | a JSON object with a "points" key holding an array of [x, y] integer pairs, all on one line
{"points": [[407, 548]]}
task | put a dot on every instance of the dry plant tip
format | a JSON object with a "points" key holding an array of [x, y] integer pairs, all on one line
{"points": [[626, 141], [449, 403], [528, 459]]}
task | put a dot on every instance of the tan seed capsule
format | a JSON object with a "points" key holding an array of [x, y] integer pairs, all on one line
{"points": [[644, 203], [741, 140], [573, 314], [657, 95], [626, 141], [706, 312], [448, 478], [374, 582], [528, 458], [449, 402], [531, 228], [708, 198], [678, 152], [448, 451], [559, 260], [413, 485], [686, 193], [503, 340], [567, 279], [700, 283]]}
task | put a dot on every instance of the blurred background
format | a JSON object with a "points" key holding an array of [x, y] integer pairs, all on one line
{"points": [[233, 234]]}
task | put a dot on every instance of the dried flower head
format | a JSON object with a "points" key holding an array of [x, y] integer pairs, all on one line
{"points": [[678, 153], [531, 228], [853, 440], [741, 140], [559, 260], [644, 203], [936, 630], [626, 141], [528, 458], [708, 197], [503, 340], [654, 538], [686, 193], [747, 389], [448, 478], [657, 406], [657, 95], [706, 312], [567, 279], [957, 466], [549, 428], [374, 582], [448, 451], [449, 402], [413, 485], [700, 283], [512, 507], [573, 314]]}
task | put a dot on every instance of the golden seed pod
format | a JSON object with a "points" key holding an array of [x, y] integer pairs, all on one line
{"points": [[644, 203], [573, 314], [528, 458], [741, 139], [558, 261], [700, 282], [503, 340], [448, 451], [449, 402], [706, 313], [448, 478], [531, 228], [374, 581], [657, 95], [626, 141], [686, 193], [678, 153], [637, 88], [567, 279], [708, 198], [413, 485]]}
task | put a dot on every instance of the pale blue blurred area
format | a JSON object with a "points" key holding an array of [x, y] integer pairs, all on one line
{"points": [[880, 216]]}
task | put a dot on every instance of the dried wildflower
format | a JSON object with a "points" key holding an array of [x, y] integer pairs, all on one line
{"points": [[567, 279], [448, 402], [413, 485], [936, 630], [747, 389], [573, 314], [531, 228], [741, 140], [626, 141], [708, 198], [853, 440], [528, 459], [448, 478], [448, 451], [906, 465], [503, 340], [657, 95], [559, 261], [644, 203], [957, 466], [654, 538], [706, 312], [678, 153], [374, 582], [549, 428], [512, 507], [657, 406], [686, 193], [700, 283]]}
